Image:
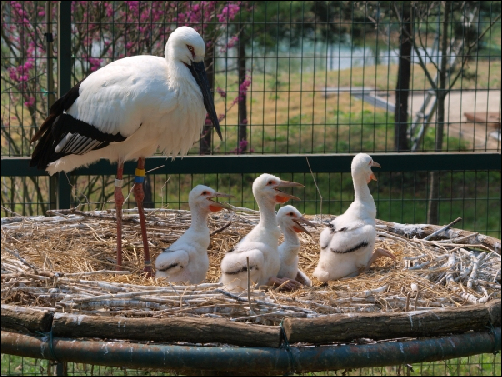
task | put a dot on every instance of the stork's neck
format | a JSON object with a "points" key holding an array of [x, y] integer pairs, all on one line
{"points": [[290, 237], [179, 74], [199, 219], [267, 213], [361, 189]]}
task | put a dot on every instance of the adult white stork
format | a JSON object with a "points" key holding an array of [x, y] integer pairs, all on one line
{"points": [[127, 109]]}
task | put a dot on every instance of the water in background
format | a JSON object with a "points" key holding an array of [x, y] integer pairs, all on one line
{"points": [[311, 56]]}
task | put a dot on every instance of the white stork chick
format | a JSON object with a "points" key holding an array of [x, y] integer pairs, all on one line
{"points": [[352, 243], [125, 111], [290, 220], [261, 244], [186, 259]]}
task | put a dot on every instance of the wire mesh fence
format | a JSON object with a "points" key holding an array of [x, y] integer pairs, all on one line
{"points": [[289, 77], [399, 196]]}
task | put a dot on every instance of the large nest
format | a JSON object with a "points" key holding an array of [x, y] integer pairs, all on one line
{"points": [[66, 263]]}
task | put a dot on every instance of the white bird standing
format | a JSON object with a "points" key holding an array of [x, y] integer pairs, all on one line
{"points": [[347, 246], [127, 109], [186, 259], [290, 220], [261, 244]]}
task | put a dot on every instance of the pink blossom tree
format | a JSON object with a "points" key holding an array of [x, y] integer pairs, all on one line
{"points": [[102, 31]]}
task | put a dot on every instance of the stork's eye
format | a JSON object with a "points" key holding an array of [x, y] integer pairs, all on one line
{"points": [[270, 183], [191, 49], [204, 193], [292, 214], [331, 225]]}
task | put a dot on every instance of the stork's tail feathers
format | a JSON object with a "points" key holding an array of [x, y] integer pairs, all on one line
{"points": [[321, 274], [43, 151], [170, 263], [303, 279]]}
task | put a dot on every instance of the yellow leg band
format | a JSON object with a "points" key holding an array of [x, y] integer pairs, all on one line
{"points": [[139, 172]]}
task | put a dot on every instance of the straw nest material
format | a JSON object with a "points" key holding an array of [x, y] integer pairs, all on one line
{"points": [[66, 263]]}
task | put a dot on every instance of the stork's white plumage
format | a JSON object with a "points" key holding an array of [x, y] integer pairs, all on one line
{"points": [[290, 221], [261, 244], [347, 246], [128, 109], [186, 259]]}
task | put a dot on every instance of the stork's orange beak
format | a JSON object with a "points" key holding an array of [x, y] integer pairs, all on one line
{"points": [[282, 197], [299, 228], [216, 206]]}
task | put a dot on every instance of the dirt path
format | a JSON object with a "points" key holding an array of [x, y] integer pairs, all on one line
{"points": [[476, 135]]}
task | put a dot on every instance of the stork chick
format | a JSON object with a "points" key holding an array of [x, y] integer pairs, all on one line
{"points": [[261, 244], [186, 259], [348, 245], [290, 220]]}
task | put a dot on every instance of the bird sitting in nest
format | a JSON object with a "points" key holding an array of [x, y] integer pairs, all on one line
{"points": [[348, 244], [186, 259], [261, 244], [290, 220]]}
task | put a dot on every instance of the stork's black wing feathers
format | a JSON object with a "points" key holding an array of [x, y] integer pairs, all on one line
{"points": [[81, 137], [60, 106]]}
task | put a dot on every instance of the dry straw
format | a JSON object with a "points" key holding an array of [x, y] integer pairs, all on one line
{"points": [[66, 262]]}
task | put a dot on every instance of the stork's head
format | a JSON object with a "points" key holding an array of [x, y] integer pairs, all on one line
{"points": [[266, 187], [201, 197], [188, 47], [361, 166], [289, 217]]}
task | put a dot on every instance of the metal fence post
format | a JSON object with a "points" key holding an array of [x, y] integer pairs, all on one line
{"points": [[63, 187]]}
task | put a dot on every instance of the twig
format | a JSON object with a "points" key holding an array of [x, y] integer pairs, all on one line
{"points": [[16, 254], [442, 229], [249, 287], [317, 187], [221, 229]]}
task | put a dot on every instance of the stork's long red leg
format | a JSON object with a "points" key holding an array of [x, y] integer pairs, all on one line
{"points": [[140, 196], [119, 202]]}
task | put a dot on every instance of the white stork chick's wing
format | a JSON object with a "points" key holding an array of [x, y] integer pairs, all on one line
{"points": [[348, 251], [291, 222], [186, 259], [234, 265], [130, 107], [351, 236], [260, 245]]}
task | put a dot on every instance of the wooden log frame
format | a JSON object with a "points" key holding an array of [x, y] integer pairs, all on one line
{"points": [[424, 230], [324, 330], [172, 329], [25, 319], [347, 327]]}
